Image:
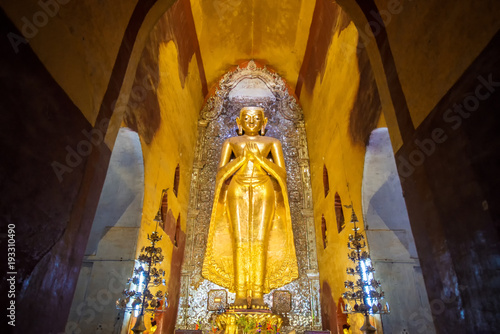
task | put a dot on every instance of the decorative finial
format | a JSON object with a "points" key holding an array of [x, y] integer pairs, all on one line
{"points": [[251, 65]]}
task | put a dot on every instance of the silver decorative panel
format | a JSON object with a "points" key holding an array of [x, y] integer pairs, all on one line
{"points": [[282, 302], [216, 299]]}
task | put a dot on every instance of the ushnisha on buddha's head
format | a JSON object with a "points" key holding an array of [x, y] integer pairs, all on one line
{"points": [[251, 121]]}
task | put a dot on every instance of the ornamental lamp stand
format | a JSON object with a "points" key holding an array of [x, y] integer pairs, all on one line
{"points": [[147, 274], [364, 288]]}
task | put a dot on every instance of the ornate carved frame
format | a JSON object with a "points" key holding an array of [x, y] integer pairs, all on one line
{"points": [[305, 314], [273, 81]]}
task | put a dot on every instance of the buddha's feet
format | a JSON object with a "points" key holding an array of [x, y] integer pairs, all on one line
{"points": [[258, 304], [255, 303], [239, 303]]}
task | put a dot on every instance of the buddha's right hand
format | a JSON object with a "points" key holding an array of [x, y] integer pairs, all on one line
{"points": [[251, 151]]}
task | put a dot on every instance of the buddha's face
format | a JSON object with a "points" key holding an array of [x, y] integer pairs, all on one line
{"points": [[251, 120]]}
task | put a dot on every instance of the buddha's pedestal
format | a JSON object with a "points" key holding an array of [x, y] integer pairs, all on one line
{"points": [[238, 321]]}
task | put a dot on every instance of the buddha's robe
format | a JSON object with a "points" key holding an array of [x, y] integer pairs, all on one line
{"points": [[250, 240]]}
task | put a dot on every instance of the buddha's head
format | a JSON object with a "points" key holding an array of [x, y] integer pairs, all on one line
{"points": [[251, 121]]}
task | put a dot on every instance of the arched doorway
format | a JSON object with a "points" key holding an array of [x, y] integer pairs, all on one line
{"points": [[390, 240], [110, 254]]}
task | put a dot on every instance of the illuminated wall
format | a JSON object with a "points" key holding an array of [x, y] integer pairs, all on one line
{"points": [[328, 103], [165, 113]]}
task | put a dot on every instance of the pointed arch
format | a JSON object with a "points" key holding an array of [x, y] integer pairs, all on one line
{"points": [[387, 223], [118, 217], [324, 231], [164, 208], [339, 213], [177, 177], [177, 230], [326, 182]]}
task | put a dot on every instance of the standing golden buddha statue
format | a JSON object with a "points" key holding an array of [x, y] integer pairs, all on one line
{"points": [[250, 247]]}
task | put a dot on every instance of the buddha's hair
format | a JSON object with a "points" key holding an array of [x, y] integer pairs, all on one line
{"points": [[252, 108]]}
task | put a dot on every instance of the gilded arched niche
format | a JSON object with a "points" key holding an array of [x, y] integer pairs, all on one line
{"points": [[251, 85]]}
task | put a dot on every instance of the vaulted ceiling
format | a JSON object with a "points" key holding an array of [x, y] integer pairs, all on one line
{"points": [[90, 46], [275, 32]]}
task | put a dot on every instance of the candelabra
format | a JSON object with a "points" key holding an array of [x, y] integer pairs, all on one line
{"points": [[364, 290], [138, 296]]}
